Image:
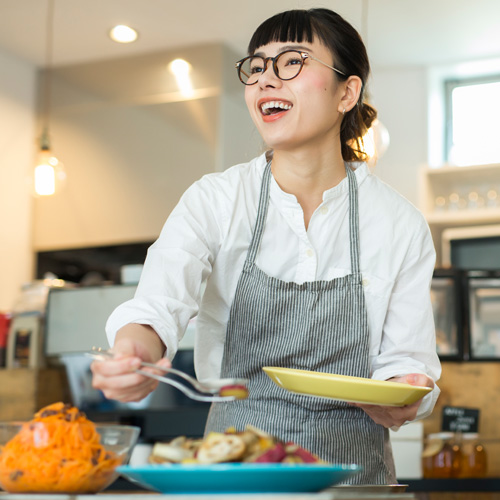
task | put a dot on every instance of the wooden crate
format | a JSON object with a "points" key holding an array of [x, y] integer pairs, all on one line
{"points": [[472, 385], [23, 391]]}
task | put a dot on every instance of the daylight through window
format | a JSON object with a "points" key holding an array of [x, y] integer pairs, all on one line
{"points": [[473, 122]]}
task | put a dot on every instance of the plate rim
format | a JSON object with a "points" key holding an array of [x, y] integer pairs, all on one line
{"points": [[235, 466], [307, 477], [346, 378], [370, 391]]}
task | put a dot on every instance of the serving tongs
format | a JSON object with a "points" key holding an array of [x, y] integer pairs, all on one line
{"points": [[209, 391]]}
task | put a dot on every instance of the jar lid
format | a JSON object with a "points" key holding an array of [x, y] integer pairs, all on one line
{"points": [[470, 435], [440, 435]]}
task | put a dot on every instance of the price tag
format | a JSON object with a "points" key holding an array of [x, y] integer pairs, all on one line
{"points": [[457, 419]]}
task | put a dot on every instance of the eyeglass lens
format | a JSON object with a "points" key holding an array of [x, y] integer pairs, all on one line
{"points": [[287, 65]]}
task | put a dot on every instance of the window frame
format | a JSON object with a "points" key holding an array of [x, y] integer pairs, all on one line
{"points": [[451, 84]]}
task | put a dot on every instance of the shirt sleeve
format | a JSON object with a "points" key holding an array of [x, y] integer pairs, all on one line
{"points": [[176, 266], [408, 339]]}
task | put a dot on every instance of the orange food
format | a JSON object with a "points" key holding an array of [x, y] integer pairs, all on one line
{"points": [[58, 451]]}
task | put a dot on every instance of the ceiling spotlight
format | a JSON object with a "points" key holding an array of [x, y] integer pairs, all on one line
{"points": [[181, 68], [123, 34]]}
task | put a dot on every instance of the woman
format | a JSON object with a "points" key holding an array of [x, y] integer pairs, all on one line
{"points": [[309, 261]]}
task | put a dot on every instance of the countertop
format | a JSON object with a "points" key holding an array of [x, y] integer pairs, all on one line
{"points": [[324, 495]]}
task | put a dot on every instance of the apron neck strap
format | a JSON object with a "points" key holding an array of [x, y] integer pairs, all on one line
{"points": [[264, 204], [353, 219], [261, 215]]}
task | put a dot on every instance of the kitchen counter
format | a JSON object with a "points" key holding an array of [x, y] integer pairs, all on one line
{"points": [[324, 495], [459, 485]]}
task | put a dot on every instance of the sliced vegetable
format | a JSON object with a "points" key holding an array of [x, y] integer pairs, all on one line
{"points": [[58, 451], [220, 448]]}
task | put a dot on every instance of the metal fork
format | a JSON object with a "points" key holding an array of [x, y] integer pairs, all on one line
{"points": [[100, 354]]}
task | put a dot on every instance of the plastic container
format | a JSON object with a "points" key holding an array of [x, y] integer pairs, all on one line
{"points": [[442, 456], [474, 457], [4, 330]]}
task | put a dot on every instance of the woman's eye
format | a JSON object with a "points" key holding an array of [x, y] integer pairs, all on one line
{"points": [[293, 60], [256, 69]]}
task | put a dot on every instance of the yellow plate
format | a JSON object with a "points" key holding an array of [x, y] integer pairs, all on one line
{"points": [[343, 388]]}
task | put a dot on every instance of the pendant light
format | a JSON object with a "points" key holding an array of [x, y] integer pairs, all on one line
{"points": [[49, 174], [377, 139]]}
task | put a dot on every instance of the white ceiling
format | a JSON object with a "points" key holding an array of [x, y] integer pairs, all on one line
{"points": [[397, 32]]}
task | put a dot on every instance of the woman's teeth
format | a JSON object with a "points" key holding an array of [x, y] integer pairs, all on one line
{"points": [[273, 107]]}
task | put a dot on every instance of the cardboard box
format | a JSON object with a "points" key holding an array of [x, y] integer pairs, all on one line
{"points": [[23, 391]]}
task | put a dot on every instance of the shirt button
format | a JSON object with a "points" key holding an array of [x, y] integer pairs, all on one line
{"points": [[309, 252], [324, 210], [365, 282]]}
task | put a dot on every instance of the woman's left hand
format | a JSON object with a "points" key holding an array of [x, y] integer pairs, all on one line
{"points": [[396, 416]]}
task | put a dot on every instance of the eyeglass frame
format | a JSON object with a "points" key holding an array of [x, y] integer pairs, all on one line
{"points": [[304, 55]]}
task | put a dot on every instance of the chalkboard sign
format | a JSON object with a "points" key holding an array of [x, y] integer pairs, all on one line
{"points": [[457, 419]]}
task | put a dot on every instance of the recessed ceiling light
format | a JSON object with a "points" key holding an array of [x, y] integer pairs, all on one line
{"points": [[123, 34], [181, 68]]}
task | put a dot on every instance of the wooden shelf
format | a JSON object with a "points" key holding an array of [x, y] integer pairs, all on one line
{"points": [[435, 183], [464, 217], [23, 391], [447, 201]]}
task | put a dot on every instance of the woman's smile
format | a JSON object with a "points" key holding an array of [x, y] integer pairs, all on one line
{"points": [[305, 107], [273, 108]]}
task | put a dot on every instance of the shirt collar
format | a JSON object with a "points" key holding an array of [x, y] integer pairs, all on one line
{"points": [[289, 200]]}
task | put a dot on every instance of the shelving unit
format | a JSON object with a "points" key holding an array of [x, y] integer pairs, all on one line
{"points": [[454, 197]]}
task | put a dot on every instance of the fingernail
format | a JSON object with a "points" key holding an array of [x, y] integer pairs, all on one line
{"points": [[135, 363]]}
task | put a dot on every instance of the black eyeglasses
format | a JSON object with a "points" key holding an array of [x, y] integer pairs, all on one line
{"points": [[286, 65]]}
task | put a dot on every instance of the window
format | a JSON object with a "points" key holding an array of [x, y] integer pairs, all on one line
{"points": [[473, 121]]}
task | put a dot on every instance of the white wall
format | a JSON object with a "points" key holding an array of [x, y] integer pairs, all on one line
{"points": [[106, 174], [400, 95], [130, 151], [17, 149]]}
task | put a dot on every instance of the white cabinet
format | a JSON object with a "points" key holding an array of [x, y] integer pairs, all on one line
{"points": [[451, 196]]}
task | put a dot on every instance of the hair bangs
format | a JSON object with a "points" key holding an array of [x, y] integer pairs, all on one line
{"points": [[290, 26]]}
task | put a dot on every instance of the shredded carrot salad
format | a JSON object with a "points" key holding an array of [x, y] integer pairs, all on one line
{"points": [[58, 451]]}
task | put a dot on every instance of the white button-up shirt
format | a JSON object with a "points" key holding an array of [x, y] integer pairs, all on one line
{"points": [[193, 267]]}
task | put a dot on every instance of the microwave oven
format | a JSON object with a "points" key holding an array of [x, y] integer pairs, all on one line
{"points": [[471, 247], [75, 319], [466, 307]]}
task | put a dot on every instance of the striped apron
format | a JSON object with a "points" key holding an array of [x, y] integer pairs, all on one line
{"points": [[319, 326]]}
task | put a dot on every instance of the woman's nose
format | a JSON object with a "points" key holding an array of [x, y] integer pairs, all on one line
{"points": [[268, 77]]}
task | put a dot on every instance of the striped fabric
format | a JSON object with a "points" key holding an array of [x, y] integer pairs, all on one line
{"points": [[318, 326]]}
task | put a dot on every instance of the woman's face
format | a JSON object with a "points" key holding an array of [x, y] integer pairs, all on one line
{"points": [[312, 101]]}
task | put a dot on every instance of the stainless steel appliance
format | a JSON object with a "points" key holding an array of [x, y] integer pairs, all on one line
{"points": [[446, 297], [483, 300], [466, 306], [75, 322]]}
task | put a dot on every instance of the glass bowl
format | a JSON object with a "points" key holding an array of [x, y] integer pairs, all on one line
{"points": [[69, 458]]}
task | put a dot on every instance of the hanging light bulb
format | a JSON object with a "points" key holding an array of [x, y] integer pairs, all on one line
{"points": [[377, 139], [49, 174], [375, 142], [49, 171]]}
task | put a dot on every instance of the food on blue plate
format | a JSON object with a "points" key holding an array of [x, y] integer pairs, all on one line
{"points": [[251, 445]]}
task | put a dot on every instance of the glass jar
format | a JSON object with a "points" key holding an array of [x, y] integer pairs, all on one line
{"points": [[474, 457], [442, 456]]}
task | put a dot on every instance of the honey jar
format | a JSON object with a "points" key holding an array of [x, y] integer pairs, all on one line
{"points": [[442, 456], [474, 458]]}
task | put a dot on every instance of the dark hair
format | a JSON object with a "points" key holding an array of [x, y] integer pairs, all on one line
{"points": [[350, 57]]}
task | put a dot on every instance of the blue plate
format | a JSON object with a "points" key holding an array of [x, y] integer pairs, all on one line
{"points": [[238, 477]]}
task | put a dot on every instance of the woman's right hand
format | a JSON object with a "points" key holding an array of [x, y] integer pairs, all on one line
{"points": [[117, 378]]}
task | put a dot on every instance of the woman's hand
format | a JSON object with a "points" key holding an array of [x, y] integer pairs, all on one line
{"points": [[396, 416], [117, 378]]}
